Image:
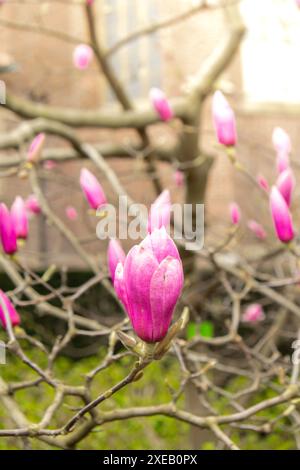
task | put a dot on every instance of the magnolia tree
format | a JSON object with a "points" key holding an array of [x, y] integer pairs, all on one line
{"points": [[241, 357]]}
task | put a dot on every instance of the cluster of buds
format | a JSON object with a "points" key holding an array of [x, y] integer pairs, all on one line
{"points": [[280, 195], [281, 192]]}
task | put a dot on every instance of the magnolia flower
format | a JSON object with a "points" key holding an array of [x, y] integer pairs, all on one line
{"points": [[82, 56], [224, 120], [235, 213], [160, 212], [178, 177], [257, 229], [161, 104], [7, 231], [253, 313], [92, 189], [71, 213], [282, 218], [19, 218], [149, 285], [10, 309], [263, 183], [32, 204], [286, 183], [36, 148], [115, 255]]}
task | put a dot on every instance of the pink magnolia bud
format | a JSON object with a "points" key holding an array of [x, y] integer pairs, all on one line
{"points": [[89, 2], [32, 204], [282, 161], [235, 213], [178, 177], [150, 285], [257, 229], [71, 213], [13, 314], [263, 183], [115, 255], [49, 165], [92, 189], [253, 313], [281, 216], [224, 120], [82, 56], [161, 104], [7, 231], [19, 218], [160, 212], [281, 141], [286, 183], [36, 148], [119, 285]]}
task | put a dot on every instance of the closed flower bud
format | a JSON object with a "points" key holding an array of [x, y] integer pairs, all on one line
{"points": [[150, 284], [178, 178], [19, 218], [286, 183], [253, 313], [32, 204], [161, 104], [235, 213], [160, 212], [82, 56], [7, 231], [263, 183], [282, 218], [71, 213], [92, 189], [115, 255], [281, 141], [36, 148], [257, 229], [10, 309], [224, 120], [49, 165]]}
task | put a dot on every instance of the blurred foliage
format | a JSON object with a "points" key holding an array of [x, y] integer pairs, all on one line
{"points": [[139, 433], [205, 329], [158, 432]]}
